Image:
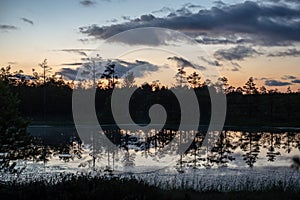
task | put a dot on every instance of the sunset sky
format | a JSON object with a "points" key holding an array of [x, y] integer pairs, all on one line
{"points": [[243, 38]]}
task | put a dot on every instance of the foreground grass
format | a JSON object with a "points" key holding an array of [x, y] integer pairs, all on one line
{"points": [[85, 188]]}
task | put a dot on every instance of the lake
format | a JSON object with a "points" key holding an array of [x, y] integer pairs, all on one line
{"points": [[152, 149]]}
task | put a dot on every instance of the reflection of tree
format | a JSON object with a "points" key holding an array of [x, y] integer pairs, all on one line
{"points": [[193, 151], [222, 150], [287, 141], [273, 142], [73, 149], [249, 143]]}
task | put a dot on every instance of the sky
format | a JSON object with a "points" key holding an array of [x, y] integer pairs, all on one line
{"points": [[241, 38]]}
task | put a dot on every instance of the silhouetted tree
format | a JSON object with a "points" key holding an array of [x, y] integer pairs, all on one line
{"points": [[250, 87], [128, 80], [110, 75], [194, 80], [15, 142], [180, 76], [46, 70]]}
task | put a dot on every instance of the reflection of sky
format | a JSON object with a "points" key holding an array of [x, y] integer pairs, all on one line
{"points": [[55, 26], [143, 159]]}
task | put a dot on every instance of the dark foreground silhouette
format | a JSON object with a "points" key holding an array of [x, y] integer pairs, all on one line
{"points": [[116, 188]]}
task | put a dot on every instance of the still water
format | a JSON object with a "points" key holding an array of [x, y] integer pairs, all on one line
{"points": [[155, 149]]}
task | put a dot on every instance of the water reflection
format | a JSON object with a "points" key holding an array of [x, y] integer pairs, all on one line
{"points": [[141, 149]]}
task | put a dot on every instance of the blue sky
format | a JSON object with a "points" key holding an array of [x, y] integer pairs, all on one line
{"points": [[268, 49]]}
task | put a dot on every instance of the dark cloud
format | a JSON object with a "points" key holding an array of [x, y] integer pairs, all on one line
{"points": [[273, 82], [69, 73], [77, 51], [265, 24], [286, 1], [87, 3], [139, 68], [218, 40], [219, 3], [72, 64], [148, 36], [12, 63], [235, 69], [235, 53], [288, 77], [290, 52], [127, 18], [84, 40], [210, 62], [296, 81], [7, 27], [27, 21], [112, 20], [181, 62], [163, 10]]}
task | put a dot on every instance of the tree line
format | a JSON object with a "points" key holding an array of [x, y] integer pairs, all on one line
{"points": [[48, 97]]}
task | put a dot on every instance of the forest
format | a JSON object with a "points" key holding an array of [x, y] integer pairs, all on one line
{"points": [[46, 98]]}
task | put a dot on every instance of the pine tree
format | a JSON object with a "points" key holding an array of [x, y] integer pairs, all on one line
{"points": [[15, 142]]}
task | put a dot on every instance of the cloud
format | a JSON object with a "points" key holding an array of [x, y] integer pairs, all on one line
{"points": [[210, 62], [80, 52], [181, 62], [163, 10], [72, 64], [112, 20], [264, 24], [12, 63], [235, 69], [290, 52], [273, 82], [87, 3], [145, 36], [139, 68], [221, 40], [69, 73], [288, 77], [27, 21], [296, 81], [235, 53], [286, 1], [127, 18], [83, 40], [7, 27]]}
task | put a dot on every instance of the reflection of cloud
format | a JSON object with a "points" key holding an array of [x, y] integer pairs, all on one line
{"points": [[266, 24], [181, 62], [27, 21], [235, 53], [289, 52], [7, 27], [273, 82]]}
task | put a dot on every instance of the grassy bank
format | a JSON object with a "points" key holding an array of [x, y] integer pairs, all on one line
{"points": [[115, 188]]}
